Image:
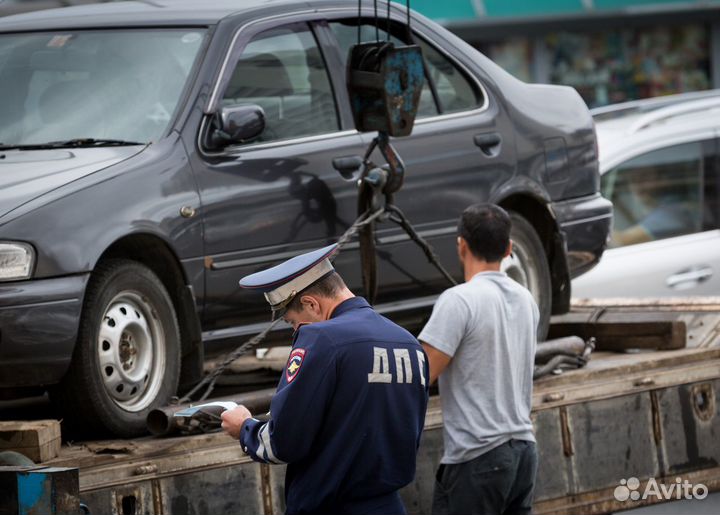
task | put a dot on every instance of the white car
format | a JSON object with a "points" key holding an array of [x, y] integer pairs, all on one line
{"points": [[660, 166]]}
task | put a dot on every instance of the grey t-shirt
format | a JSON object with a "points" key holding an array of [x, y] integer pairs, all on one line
{"points": [[488, 326]]}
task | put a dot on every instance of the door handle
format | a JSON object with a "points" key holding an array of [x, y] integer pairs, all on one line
{"points": [[690, 277], [348, 166], [489, 143]]}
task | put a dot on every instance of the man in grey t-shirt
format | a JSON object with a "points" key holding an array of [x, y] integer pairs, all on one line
{"points": [[480, 342]]}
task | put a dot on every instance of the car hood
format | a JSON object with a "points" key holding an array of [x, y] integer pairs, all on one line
{"points": [[28, 174]]}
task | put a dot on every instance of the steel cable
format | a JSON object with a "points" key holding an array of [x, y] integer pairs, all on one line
{"points": [[210, 379]]}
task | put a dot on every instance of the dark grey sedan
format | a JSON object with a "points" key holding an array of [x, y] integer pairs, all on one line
{"points": [[128, 212]]}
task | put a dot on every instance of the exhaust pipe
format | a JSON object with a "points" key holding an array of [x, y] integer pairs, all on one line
{"points": [[163, 422], [568, 346], [553, 356]]}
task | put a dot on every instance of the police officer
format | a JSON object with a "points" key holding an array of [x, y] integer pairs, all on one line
{"points": [[350, 406]]}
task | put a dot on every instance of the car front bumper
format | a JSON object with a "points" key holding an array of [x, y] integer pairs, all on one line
{"points": [[585, 223], [39, 321]]}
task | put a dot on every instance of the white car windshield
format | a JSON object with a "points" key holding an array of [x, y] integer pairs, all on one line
{"points": [[112, 85]]}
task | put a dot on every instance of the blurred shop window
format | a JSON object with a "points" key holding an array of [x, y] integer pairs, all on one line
{"points": [[514, 56], [661, 194], [282, 71], [454, 90], [628, 64]]}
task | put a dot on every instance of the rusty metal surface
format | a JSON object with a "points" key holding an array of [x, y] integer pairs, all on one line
{"points": [[157, 496], [38, 490], [230, 489], [133, 499], [612, 440], [417, 496], [614, 375], [551, 454], [603, 502], [585, 448], [152, 458], [663, 434], [691, 427], [655, 304], [266, 488]]}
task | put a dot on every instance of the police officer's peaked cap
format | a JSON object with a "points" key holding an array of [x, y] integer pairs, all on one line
{"points": [[283, 282]]}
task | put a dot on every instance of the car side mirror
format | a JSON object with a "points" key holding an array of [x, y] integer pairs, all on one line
{"points": [[235, 125]]}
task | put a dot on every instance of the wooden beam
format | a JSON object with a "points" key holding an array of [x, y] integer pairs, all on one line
{"points": [[39, 440], [618, 336]]}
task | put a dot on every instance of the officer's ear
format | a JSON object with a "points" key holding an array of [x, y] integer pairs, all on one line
{"points": [[310, 303]]}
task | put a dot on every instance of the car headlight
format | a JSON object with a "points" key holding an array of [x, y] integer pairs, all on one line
{"points": [[16, 261]]}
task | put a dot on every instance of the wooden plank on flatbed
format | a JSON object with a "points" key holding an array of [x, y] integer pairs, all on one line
{"points": [[700, 314], [613, 335], [39, 440]]}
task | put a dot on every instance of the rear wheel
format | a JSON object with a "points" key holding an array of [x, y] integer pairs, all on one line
{"points": [[528, 266], [127, 357]]}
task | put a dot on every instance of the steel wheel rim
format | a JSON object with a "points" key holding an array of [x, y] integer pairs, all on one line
{"points": [[130, 351], [519, 267]]}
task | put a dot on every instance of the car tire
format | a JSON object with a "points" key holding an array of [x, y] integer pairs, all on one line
{"points": [[127, 357], [528, 266]]}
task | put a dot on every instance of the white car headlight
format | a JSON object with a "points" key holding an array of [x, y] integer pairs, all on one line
{"points": [[16, 261]]}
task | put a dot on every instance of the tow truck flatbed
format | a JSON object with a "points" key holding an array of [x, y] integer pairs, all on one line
{"points": [[645, 414]]}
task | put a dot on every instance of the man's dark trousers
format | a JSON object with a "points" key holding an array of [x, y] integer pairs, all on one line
{"points": [[499, 482]]}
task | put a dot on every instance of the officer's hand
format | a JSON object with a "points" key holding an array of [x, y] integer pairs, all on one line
{"points": [[232, 420]]}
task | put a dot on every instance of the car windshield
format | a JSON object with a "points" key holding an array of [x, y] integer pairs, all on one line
{"points": [[114, 85]]}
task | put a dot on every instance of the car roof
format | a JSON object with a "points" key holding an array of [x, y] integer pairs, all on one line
{"points": [[632, 127], [141, 12]]}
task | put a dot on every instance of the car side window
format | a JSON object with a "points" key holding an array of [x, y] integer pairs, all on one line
{"points": [[282, 71], [455, 92], [660, 194]]}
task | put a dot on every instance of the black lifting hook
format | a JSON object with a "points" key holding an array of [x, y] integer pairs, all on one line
{"points": [[384, 84], [385, 81]]}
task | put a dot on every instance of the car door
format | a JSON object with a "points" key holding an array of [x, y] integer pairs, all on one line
{"points": [[665, 240], [278, 195], [461, 148]]}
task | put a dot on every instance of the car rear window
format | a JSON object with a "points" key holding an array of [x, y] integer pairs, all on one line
{"points": [[455, 91]]}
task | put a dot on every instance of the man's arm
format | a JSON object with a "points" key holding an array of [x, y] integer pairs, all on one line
{"points": [[632, 235], [444, 331], [437, 361], [232, 420], [252, 434], [297, 409]]}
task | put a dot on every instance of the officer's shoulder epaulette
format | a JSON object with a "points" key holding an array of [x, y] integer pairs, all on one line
{"points": [[307, 334]]}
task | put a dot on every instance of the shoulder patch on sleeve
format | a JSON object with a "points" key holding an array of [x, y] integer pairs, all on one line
{"points": [[295, 361]]}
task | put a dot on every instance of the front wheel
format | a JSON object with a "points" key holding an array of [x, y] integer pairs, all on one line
{"points": [[127, 357], [528, 266]]}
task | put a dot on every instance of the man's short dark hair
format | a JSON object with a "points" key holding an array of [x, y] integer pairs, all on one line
{"points": [[486, 229], [329, 286]]}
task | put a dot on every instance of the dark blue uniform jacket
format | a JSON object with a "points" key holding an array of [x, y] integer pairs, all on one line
{"points": [[347, 416]]}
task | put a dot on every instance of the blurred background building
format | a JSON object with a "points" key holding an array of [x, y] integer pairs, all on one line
{"points": [[609, 50]]}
